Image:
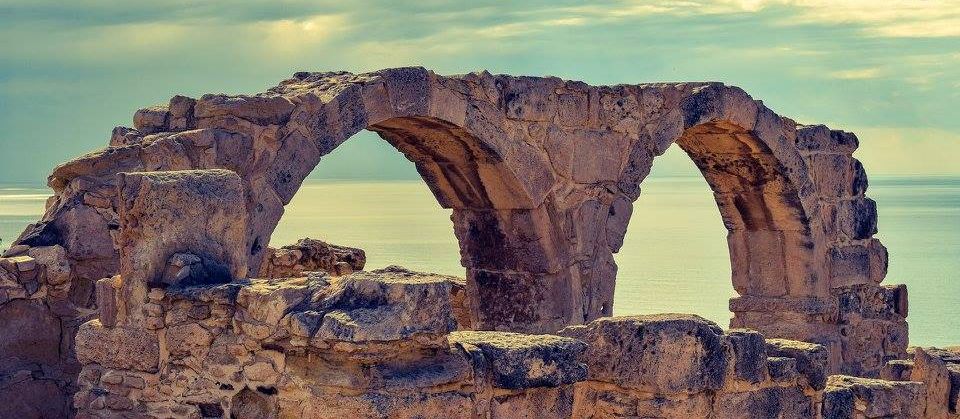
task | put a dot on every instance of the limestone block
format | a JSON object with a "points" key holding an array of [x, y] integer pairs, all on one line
{"points": [[897, 370], [536, 403], [181, 113], [408, 89], [534, 303], [594, 400], [837, 175], [748, 355], [295, 159], [782, 369], [329, 404], [528, 98], [117, 347], [21, 263], [811, 359], [857, 264], [443, 369], [772, 402], [268, 301], [517, 240], [822, 139], [260, 109], [124, 136], [85, 233], [670, 353], [187, 339], [519, 361], [152, 119], [858, 218], [932, 371], [389, 304], [637, 167], [848, 397]]}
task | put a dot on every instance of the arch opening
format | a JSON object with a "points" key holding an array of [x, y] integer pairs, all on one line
{"points": [[769, 238], [674, 256]]}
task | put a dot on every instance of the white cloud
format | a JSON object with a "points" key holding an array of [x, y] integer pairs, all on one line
{"points": [[857, 74], [885, 18]]}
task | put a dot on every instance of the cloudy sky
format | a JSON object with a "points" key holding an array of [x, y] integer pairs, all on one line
{"points": [[888, 70]]}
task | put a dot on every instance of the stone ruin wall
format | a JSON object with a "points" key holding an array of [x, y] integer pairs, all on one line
{"points": [[540, 173]]}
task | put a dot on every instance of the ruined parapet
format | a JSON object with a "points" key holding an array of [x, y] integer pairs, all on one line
{"points": [[674, 365], [369, 344], [311, 255]]}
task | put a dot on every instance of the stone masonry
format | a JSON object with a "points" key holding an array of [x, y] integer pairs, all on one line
{"points": [[540, 173]]}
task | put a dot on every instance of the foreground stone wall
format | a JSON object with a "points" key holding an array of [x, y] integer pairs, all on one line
{"points": [[540, 173], [370, 344]]}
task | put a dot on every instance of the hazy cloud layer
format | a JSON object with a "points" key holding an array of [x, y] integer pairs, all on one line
{"points": [[70, 71]]}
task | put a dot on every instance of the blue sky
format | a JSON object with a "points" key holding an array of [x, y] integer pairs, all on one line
{"points": [[888, 70]]}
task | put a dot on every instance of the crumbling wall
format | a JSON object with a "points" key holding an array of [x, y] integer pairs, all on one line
{"points": [[369, 344]]}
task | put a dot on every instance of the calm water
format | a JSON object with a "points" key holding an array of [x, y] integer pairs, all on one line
{"points": [[674, 257]]}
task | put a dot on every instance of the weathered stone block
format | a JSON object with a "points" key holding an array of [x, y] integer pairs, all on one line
{"points": [[748, 355], [849, 397], [389, 304], [525, 361], [117, 347], [823, 139], [260, 109], [670, 352], [152, 119], [812, 359], [106, 290], [858, 218], [773, 402], [782, 369], [857, 264]]}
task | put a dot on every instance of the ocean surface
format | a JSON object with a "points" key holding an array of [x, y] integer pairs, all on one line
{"points": [[674, 258]]}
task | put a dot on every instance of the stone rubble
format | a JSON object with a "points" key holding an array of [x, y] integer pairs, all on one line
{"points": [[540, 174], [311, 255]]}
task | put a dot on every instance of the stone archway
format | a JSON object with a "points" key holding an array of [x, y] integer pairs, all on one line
{"points": [[540, 173]]}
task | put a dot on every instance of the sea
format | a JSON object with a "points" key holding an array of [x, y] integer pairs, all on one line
{"points": [[674, 258]]}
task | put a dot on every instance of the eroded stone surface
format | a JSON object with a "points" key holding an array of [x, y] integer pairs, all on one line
{"points": [[540, 174]]}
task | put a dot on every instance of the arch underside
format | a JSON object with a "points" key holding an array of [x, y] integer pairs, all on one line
{"points": [[769, 234]]}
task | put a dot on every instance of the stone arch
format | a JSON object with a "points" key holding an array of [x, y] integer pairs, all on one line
{"points": [[799, 225], [540, 173]]}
